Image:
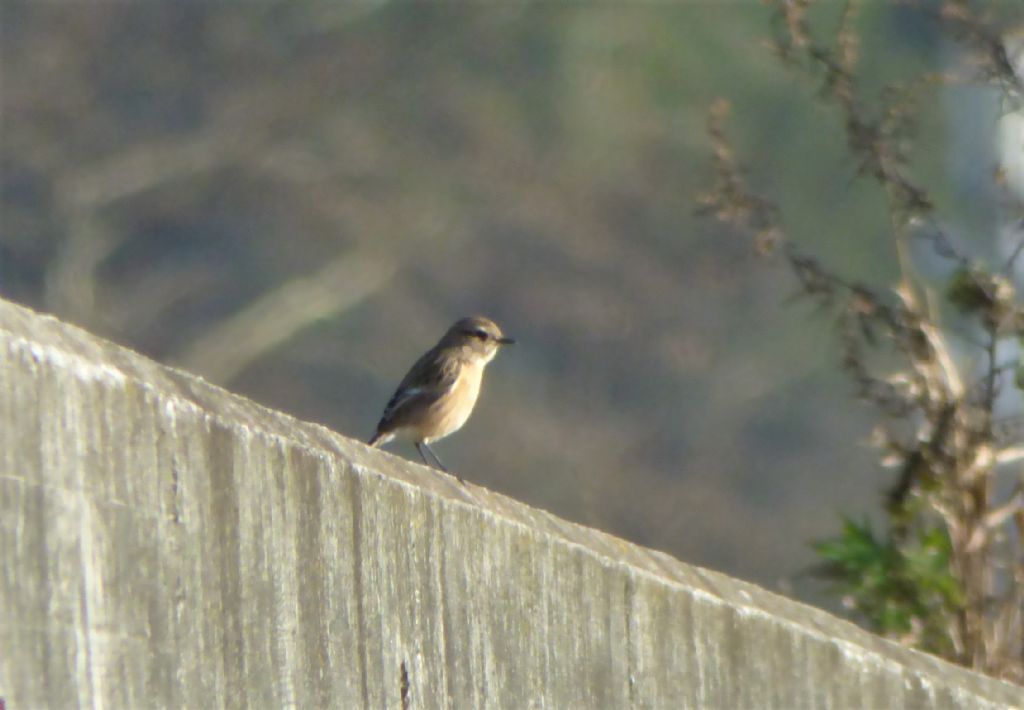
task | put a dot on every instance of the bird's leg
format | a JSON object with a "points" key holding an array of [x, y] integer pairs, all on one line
{"points": [[419, 449], [420, 446]]}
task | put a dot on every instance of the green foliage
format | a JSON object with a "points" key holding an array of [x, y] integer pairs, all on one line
{"points": [[901, 588], [965, 292]]}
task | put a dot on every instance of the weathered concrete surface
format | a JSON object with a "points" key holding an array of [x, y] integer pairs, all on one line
{"points": [[167, 544]]}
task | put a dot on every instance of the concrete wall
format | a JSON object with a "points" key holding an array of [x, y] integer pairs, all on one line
{"points": [[165, 543]]}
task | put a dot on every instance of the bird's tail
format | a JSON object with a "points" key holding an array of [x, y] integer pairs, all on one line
{"points": [[381, 437]]}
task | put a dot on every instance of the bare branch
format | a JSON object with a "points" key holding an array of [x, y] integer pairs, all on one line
{"points": [[232, 345], [936, 404]]}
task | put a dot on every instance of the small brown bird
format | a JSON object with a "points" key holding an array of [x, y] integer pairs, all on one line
{"points": [[437, 395]]}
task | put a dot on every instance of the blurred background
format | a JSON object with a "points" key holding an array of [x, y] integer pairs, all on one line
{"points": [[295, 199]]}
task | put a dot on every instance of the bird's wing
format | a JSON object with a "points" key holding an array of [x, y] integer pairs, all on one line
{"points": [[429, 379]]}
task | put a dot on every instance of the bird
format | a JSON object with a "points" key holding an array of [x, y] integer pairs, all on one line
{"points": [[437, 395]]}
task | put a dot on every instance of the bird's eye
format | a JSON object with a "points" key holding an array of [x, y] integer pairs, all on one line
{"points": [[481, 334]]}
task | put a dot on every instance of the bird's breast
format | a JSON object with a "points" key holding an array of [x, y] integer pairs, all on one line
{"points": [[453, 410]]}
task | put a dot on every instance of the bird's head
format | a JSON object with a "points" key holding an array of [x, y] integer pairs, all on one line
{"points": [[478, 336]]}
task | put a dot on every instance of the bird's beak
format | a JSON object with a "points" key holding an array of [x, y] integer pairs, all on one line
{"points": [[506, 341]]}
